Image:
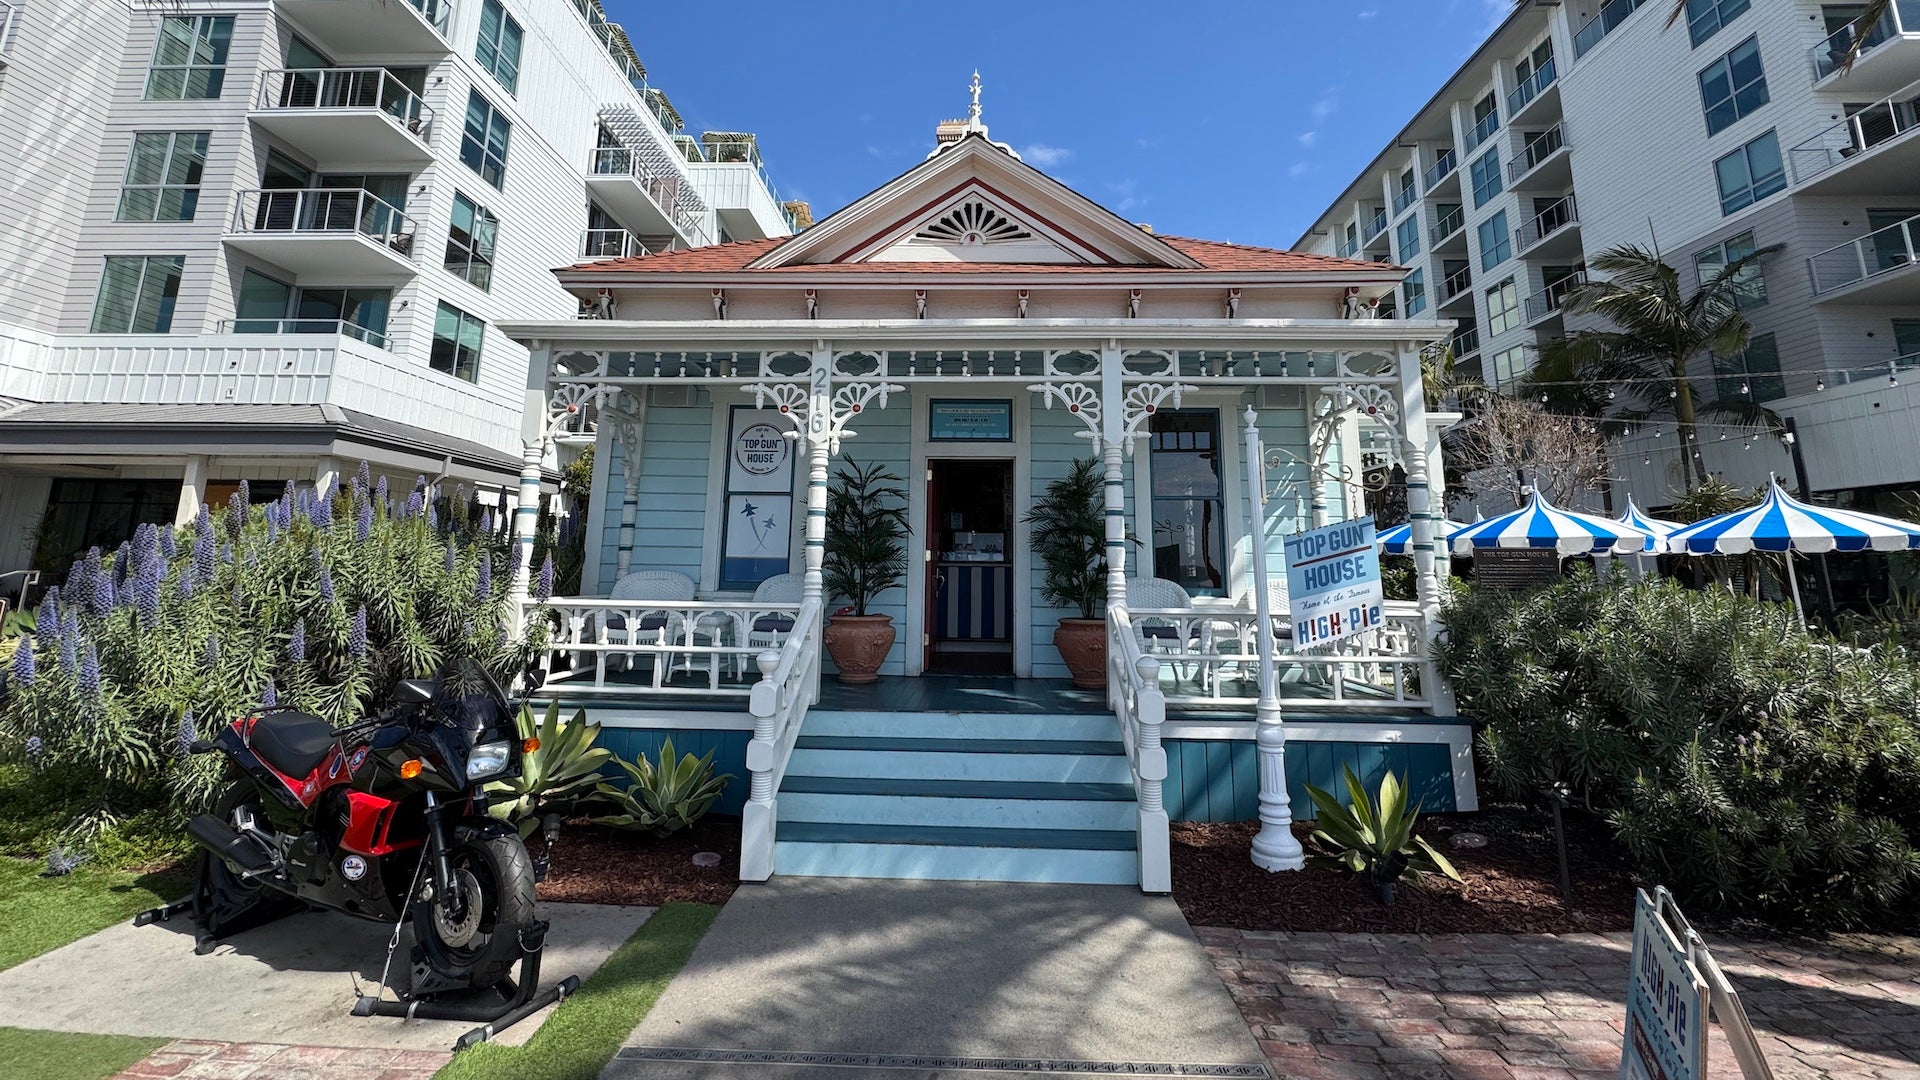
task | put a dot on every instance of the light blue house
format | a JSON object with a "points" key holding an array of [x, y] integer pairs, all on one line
{"points": [[976, 326]]}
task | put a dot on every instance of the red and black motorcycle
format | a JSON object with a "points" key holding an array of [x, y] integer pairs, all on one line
{"points": [[384, 820]]}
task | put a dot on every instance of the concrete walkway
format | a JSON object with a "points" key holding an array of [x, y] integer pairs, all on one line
{"points": [[830, 979]]}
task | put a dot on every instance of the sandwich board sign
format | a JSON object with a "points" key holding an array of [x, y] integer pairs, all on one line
{"points": [[1333, 582], [1666, 1034]]}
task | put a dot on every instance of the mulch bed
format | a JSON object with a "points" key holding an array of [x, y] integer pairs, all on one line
{"points": [[1512, 884], [596, 864]]}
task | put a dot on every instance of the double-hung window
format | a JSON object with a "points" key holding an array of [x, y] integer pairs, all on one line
{"points": [[1749, 285], [190, 59], [163, 176], [1750, 173], [1503, 308], [1733, 86], [1189, 499], [1407, 237], [1415, 287], [137, 294], [1496, 241], [483, 142], [1706, 17], [1485, 173], [470, 240], [456, 343], [499, 47]]}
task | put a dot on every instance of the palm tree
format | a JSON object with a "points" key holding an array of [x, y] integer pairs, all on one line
{"points": [[1659, 334]]}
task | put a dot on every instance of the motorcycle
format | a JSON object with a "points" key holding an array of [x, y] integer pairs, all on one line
{"points": [[384, 819]]}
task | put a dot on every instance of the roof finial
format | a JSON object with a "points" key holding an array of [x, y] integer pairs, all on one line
{"points": [[973, 110]]}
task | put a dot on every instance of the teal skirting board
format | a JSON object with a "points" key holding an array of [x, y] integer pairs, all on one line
{"points": [[729, 747], [1218, 779]]}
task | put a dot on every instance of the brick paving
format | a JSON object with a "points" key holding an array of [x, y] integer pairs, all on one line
{"points": [[1551, 1007], [193, 1059]]}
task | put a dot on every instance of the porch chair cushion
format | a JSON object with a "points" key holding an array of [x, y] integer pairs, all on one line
{"points": [[778, 589], [1161, 594]]}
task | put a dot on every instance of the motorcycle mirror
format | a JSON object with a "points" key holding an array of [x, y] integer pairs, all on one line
{"points": [[412, 692]]}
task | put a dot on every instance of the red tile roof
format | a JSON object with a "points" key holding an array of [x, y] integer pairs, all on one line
{"points": [[1212, 255]]}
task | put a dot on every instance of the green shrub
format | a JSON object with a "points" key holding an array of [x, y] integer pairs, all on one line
{"points": [[664, 798], [1754, 769]]}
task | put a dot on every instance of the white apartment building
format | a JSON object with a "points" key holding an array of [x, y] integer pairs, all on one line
{"points": [[263, 240], [1579, 126]]}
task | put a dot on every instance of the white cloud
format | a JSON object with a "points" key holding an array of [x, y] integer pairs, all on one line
{"points": [[1307, 138], [1145, 143], [1327, 105], [1300, 168], [1128, 199], [1369, 13], [874, 151], [1042, 156]]}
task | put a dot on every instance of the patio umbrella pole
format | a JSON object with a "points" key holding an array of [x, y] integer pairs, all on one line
{"points": [[1793, 583]]}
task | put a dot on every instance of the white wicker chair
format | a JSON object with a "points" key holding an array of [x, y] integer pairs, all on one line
{"points": [[1167, 634], [641, 627], [771, 628]]}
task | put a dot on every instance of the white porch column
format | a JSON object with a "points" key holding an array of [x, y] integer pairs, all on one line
{"points": [[526, 520], [1112, 443], [193, 487], [1274, 846], [1421, 451], [816, 439], [627, 427]]}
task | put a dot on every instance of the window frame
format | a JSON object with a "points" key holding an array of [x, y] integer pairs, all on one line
{"points": [[1414, 288], [459, 365], [1749, 193], [1406, 236], [480, 246], [164, 309], [1768, 384], [1217, 535], [1508, 365], [510, 81], [213, 31], [1697, 13], [1505, 319], [1492, 159], [1715, 110], [1751, 285], [1504, 245], [189, 201], [481, 142]]}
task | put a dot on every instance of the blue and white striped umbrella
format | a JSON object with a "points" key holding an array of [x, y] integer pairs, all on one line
{"points": [[1399, 539], [1540, 524], [1659, 527], [1783, 523]]}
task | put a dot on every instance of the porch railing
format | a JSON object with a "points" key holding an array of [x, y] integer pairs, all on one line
{"points": [[789, 685], [1530, 87], [1133, 689], [1210, 656], [710, 647]]}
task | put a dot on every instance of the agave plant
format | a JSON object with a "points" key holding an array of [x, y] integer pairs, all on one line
{"points": [[559, 773], [1374, 837], [666, 798]]}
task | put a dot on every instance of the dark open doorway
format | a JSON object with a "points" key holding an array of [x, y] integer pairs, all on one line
{"points": [[970, 574]]}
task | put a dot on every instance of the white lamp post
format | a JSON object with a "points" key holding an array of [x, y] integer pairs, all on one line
{"points": [[1274, 847]]}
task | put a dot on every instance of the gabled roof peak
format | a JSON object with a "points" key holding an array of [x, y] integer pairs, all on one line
{"points": [[949, 132]]}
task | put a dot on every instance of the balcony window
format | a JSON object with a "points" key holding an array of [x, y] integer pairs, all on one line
{"points": [[267, 305], [1452, 216], [137, 294], [1442, 167], [1415, 288], [1756, 367], [1409, 190], [1486, 121], [1706, 17], [483, 143], [457, 337], [163, 176], [1189, 505], [190, 59], [1749, 286], [1750, 173], [1407, 236], [498, 49], [1485, 173], [1733, 86], [1496, 241], [470, 242], [1503, 308], [1509, 365]]}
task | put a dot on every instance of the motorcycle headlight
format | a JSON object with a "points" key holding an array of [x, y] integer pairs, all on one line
{"points": [[487, 759]]}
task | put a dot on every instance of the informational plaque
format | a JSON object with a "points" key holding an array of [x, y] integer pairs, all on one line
{"points": [[970, 421], [1515, 569]]}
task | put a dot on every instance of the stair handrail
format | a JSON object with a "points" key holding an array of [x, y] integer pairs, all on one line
{"points": [[1133, 691], [789, 685]]}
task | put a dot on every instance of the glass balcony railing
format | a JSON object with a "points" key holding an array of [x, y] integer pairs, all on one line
{"points": [[1405, 197], [1867, 128], [1376, 226], [1559, 215], [1456, 283], [1538, 149], [1895, 247], [1530, 87], [438, 13], [360, 89], [1449, 223], [1889, 370], [1902, 17], [1549, 300], [342, 327], [1441, 168], [1465, 343], [1611, 15], [1483, 130], [353, 211], [610, 244]]}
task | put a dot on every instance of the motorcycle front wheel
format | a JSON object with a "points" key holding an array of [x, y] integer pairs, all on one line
{"points": [[494, 877]]}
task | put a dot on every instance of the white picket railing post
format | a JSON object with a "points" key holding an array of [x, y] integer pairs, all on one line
{"points": [[1150, 769], [757, 816], [1274, 847]]}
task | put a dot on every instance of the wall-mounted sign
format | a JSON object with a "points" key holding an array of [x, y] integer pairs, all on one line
{"points": [[759, 456], [757, 530], [1333, 583], [970, 421]]}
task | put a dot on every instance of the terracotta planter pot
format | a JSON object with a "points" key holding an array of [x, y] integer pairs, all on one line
{"points": [[1083, 645], [858, 644]]}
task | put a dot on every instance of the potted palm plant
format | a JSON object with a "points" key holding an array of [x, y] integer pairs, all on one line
{"points": [[1069, 534], [866, 556]]}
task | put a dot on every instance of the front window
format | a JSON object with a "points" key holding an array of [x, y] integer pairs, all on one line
{"points": [[456, 343], [1486, 178], [137, 294], [483, 142], [1189, 507], [190, 59], [1496, 241], [1750, 174], [163, 176], [499, 47], [470, 240], [1749, 286], [1503, 308], [1733, 86], [84, 514]]}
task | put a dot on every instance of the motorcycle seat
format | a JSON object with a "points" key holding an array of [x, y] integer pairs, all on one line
{"points": [[292, 742]]}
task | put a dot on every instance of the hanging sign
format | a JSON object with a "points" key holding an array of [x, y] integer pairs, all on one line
{"points": [[970, 421], [1666, 1026], [1333, 583]]}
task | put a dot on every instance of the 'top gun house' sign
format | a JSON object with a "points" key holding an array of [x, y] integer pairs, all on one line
{"points": [[1333, 582]]}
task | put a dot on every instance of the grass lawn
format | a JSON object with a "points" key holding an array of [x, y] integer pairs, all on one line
{"points": [[45, 913], [57, 1055], [587, 1029]]}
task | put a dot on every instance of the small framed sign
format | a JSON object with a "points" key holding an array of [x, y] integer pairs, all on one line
{"points": [[952, 420]]}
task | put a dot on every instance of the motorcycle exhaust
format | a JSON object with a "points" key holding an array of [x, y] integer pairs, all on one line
{"points": [[220, 838]]}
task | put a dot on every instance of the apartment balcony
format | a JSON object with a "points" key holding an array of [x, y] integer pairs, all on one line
{"points": [[354, 26], [1610, 16], [346, 114], [1886, 373], [646, 180], [1348, 249], [1455, 288], [610, 244], [1871, 152], [1373, 228], [345, 328], [1544, 163], [1548, 302], [1878, 268], [1553, 231], [1465, 344], [1404, 198], [1445, 168], [1889, 57], [733, 180], [1482, 131], [1537, 96], [325, 234], [1449, 231]]}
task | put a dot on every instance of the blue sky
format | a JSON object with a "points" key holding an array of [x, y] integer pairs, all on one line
{"points": [[1227, 120]]}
